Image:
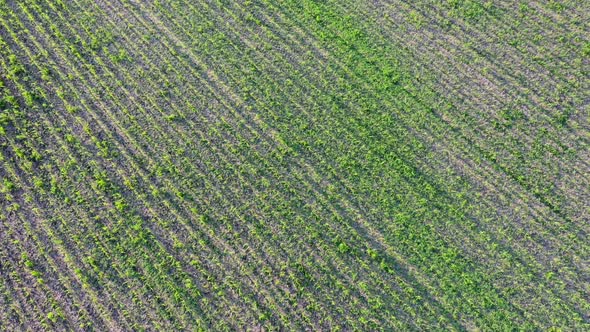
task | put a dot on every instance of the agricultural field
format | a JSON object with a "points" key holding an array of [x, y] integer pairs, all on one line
{"points": [[294, 165]]}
